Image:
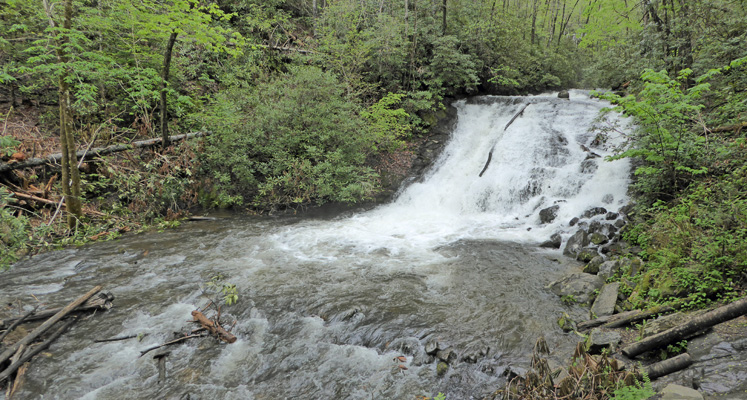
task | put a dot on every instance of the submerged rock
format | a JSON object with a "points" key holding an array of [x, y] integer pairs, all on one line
{"points": [[578, 285], [564, 94]]}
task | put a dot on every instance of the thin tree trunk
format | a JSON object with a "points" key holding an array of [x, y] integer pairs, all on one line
{"points": [[164, 85], [443, 30]]}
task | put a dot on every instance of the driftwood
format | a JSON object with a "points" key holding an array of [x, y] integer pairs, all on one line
{"points": [[17, 322], [593, 323], [485, 168], [36, 350], [41, 329], [118, 339], [214, 328], [707, 320], [100, 301], [516, 116], [97, 151], [669, 366], [175, 341], [490, 154]]}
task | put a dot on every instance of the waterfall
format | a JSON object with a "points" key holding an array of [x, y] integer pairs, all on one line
{"points": [[329, 309]]}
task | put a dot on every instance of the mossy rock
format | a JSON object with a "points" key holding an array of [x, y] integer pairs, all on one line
{"points": [[598, 239], [586, 255], [442, 368]]}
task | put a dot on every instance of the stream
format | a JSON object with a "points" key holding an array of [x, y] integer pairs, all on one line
{"points": [[327, 301]]}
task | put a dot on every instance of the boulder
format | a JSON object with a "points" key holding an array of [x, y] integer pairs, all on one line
{"points": [[594, 211], [611, 216], [549, 214], [578, 284], [598, 238], [593, 266], [587, 254], [576, 243], [608, 269], [554, 243], [573, 221], [600, 339], [677, 392], [564, 94], [604, 304]]}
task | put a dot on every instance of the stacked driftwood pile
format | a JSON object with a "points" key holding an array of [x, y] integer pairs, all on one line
{"points": [[15, 358]]}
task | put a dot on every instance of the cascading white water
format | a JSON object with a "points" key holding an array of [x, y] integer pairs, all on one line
{"points": [[325, 306], [545, 157]]}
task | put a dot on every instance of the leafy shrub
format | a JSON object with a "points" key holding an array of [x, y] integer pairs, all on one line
{"points": [[292, 140]]}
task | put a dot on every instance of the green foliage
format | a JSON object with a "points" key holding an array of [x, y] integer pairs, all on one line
{"points": [[293, 140], [388, 125], [638, 391], [14, 232], [218, 285], [671, 152]]}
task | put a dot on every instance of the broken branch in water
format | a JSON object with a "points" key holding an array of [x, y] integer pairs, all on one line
{"points": [[175, 341], [490, 154]]}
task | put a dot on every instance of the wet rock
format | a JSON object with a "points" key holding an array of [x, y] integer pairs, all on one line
{"points": [[594, 227], [573, 221], [615, 248], [448, 356], [593, 266], [601, 339], [598, 239], [576, 243], [604, 304], [578, 285], [513, 371], [594, 212], [611, 216], [589, 166], [564, 94], [442, 368], [554, 243], [619, 223], [549, 214], [608, 269], [677, 392], [586, 255], [431, 347], [566, 323]]}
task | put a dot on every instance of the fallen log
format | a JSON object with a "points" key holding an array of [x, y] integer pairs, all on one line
{"points": [[98, 151], [36, 350], [100, 301], [490, 154], [214, 328], [47, 324], [50, 202], [707, 320], [730, 128], [669, 366], [593, 323], [516, 116], [485, 168], [16, 383], [626, 318]]}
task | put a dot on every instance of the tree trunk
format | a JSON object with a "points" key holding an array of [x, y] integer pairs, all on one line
{"points": [[443, 29], [707, 320], [98, 151], [164, 86]]}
